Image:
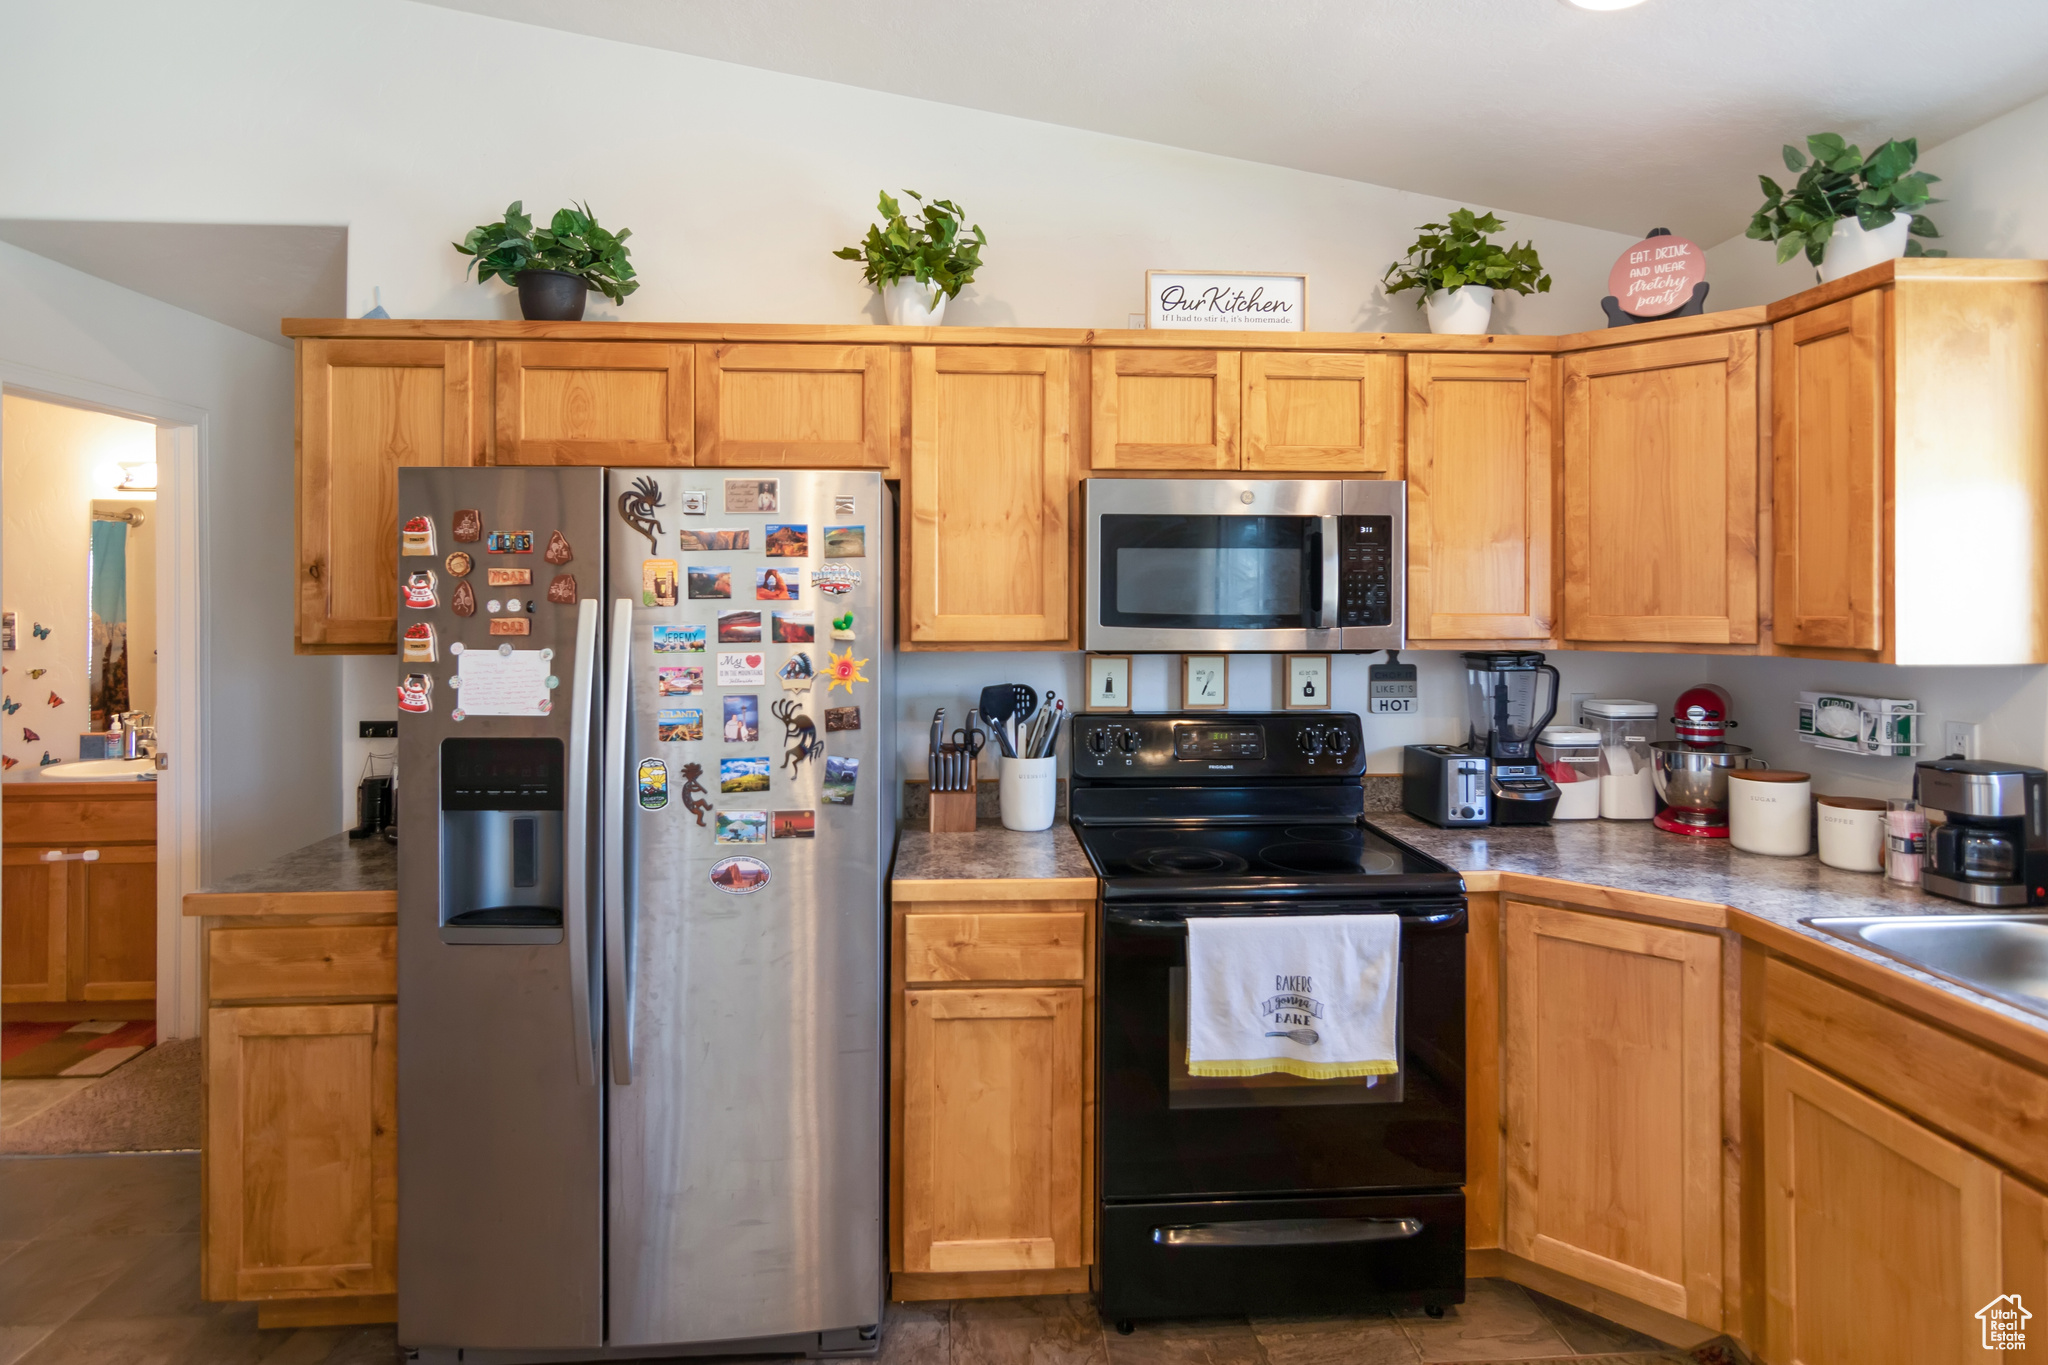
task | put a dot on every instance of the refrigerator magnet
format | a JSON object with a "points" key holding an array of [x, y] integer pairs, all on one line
{"points": [[798, 673], [740, 827], [740, 627], [742, 670], [776, 585], [679, 639], [839, 718], [458, 563], [658, 583], [841, 774], [463, 602], [844, 671], [742, 720], [792, 628], [509, 543], [842, 626], [696, 502], [742, 775], [562, 589], [558, 552], [793, 824], [753, 495], [637, 506], [467, 526], [706, 582], [507, 578], [679, 682], [679, 725], [801, 732], [419, 590], [511, 625], [419, 643], [417, 538], [842, 505], [698, 542], [835, 578], [739, 875], [787, 541], [416, 694], [653, 780], [846, 542], [693, 792]]}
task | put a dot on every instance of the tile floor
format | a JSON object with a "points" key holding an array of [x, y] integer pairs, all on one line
{"points": [[99, 1262]]}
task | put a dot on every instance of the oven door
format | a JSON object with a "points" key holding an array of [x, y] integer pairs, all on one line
{"points": [[1169, 1135]]}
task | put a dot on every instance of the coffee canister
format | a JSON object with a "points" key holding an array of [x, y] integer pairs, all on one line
{"points": [[1770, 811], [1851, 832]]}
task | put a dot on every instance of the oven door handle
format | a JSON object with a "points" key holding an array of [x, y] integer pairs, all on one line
{"points": [[1155, 924], [1288, 1232]]}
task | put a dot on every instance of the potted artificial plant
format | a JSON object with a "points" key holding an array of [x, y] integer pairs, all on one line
{"points": [[1458, 268], [918, 265], [1846, 212], [554, 267]]}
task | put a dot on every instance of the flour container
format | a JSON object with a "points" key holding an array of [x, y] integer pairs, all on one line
{"points": [[1570, 757], [1626, 729]]}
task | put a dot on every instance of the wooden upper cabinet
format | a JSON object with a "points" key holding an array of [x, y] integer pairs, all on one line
{"points": [[797, 406], [366, 408], [594, 403], [1165, 409], [1660, 476], [1479, 457], [1882, 1239], [1828, 475], [1612, 1105], [986, 553], [1322, 414]]}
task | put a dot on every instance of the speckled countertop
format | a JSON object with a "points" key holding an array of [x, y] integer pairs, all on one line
{"points": [[990, 852], [1632, 855], [338, 863]]}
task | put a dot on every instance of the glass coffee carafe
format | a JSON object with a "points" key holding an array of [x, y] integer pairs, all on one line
{"points": [[1512, 695]]}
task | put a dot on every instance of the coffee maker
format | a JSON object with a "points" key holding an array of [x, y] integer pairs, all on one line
{"points": [[1993, 847], [1502, 689]]}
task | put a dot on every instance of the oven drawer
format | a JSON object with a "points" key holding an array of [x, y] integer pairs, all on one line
{"points": [[1019, 946], [1276, 1256]]}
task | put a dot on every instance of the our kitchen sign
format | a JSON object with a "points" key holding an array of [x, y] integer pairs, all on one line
{"points": [[1194, 300]]}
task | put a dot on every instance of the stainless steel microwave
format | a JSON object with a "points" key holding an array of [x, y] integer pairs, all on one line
{"points": [[1260, 565]]}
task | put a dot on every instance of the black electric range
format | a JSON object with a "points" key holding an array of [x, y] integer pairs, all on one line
{"points": [[1266, 1194]]}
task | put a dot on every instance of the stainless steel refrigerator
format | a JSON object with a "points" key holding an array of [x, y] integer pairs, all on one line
{"points": [[646, 801]]}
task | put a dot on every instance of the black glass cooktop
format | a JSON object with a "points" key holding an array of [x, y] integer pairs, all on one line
{"points": [[1144, 860]]}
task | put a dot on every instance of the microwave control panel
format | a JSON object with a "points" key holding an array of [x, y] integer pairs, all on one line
{"points": [[1365, 572]]}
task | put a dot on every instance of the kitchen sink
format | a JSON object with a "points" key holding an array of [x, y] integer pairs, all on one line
{"points": [[2001, 955], [100, 770]]}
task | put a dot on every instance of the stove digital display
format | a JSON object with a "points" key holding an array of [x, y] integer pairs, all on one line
{"points": [[1219, 741]]}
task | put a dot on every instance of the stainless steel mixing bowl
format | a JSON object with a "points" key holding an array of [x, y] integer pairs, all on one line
{"points": [[1697, 779]]}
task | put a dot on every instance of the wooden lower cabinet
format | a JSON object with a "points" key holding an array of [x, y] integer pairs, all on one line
{"points": [[1612, 1080], [78, 929], [992, 1096]]}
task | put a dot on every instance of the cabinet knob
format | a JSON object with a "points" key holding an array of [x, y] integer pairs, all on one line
{"points": [[314, 570]]}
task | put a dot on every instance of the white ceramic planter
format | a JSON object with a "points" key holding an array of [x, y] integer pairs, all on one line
{"points": [[1464, 311], [1851, 249], [906, 303]]}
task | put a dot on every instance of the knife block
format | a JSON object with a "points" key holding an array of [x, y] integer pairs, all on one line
{"points": [[953, 812]]}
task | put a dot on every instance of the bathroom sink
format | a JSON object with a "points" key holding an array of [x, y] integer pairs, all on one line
{"points": [[101, 770], [2001, 955]]}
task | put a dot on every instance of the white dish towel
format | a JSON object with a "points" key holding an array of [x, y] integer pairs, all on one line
{"points": [[1314, 996]]}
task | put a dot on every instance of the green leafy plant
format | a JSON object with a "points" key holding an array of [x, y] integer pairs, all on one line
{"points": [[1451, 255], [1839, 182], [934, 251], [572, 242]]}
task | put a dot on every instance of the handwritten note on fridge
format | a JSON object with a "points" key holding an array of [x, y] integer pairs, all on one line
{"points": [[507, 684]]}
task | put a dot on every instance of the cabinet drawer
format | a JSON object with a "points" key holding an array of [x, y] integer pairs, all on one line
{"points": [[1030, 946], [305, 962]]}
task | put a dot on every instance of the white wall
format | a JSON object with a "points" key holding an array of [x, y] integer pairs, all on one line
{"points": [[410, 123], [269, 723]]}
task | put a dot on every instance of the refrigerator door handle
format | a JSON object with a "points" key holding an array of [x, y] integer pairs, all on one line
{"points": [[618, 991], [576, 863]]}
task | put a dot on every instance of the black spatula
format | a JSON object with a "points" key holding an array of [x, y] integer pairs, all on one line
{"points": [[998, 704]]}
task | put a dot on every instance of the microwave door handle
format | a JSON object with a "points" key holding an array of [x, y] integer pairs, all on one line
{"points": [[582, 701], [618, 990], [1327, 574]]}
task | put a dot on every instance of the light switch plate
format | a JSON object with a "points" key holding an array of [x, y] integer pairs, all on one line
{"points": [[1959, 737]]}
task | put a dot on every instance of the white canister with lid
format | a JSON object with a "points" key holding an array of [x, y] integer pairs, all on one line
{"points": [[1852, 830], [1626, 728], [1770, 811], [1570, 755]]}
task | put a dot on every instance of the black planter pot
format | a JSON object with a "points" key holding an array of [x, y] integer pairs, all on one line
{"points": [[551, 296]]}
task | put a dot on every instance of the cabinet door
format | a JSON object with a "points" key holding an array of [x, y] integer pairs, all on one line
{"points": [[986, 552], [1330, 414], [1660, 492], [1165, 409], [1612, 1105], [112, 903], [1827, 458], [589, 402], [301, 1151], [365, 409], [992, 1141], [1882, 1241], [34, 925], [797, 407], [1480, 430]]}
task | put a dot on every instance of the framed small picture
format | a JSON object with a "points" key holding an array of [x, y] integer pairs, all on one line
{"points": [[1109, 682], [1307, 677], [1205, 682]]}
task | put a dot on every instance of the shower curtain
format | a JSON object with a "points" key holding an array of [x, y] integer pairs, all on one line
{"points": [[109, 664]]}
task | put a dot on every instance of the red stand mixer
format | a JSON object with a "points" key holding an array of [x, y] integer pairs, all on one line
{"points": [[1691, 772]]}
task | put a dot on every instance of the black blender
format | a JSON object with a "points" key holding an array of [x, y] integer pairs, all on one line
{"points": [[1502, 687]]}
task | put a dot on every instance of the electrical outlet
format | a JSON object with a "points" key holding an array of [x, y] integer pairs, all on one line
{"points": [[1959, 737], [376, 729], [1578, 704]]}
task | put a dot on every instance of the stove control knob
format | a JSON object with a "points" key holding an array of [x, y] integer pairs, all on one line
{"points": [[1127, 741], [1339, 741], [1311, 740], [1098, 742]]}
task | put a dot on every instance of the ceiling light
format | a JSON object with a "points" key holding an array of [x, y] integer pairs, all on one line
{"points": [[1604, 4], [137, 477]]}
